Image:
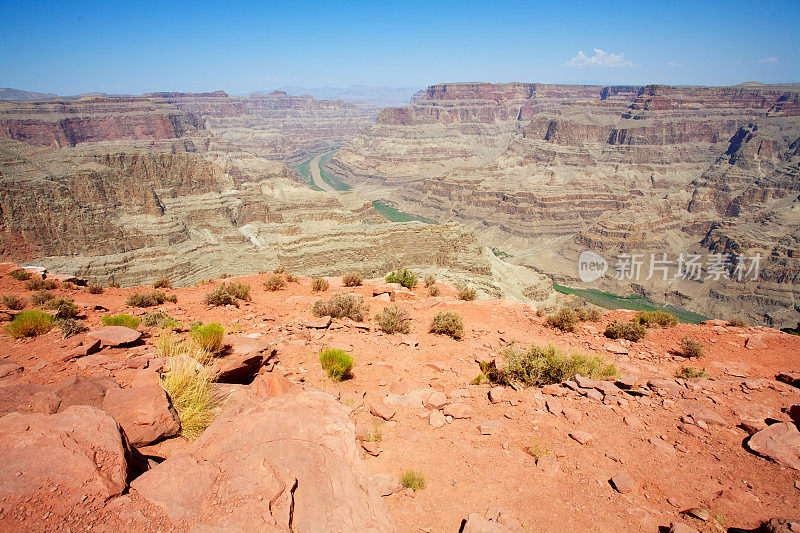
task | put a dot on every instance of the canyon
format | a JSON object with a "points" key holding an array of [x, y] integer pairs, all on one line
{"points": [[544, 172]]}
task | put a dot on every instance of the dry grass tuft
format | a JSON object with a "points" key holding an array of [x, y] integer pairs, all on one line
{"points": [[341, 305]]}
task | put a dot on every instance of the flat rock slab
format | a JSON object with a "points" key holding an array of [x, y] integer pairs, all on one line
{"points": [[386, 484], [458, 410], [116, 335], [287, 460], [145, 413], [81, 450], [582, 437], [382, 411], [779, 443], [316, 323]]}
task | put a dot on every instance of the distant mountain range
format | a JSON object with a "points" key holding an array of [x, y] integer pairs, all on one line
{"points": [[362, 94], [19, 96]]}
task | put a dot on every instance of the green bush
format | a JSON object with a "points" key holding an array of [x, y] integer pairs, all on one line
{"points": [[239, 290], [404, 277], [70, 326], [341, 305], [687, 372], [447, 323], [22, 275], [149, 299], [95, 289], [275, 283], [565, 319], [629, 330], [220, 296], [353, 279], [337, 363], [29, 324], [543, 365], [319, 285], [691, 347], [411, 479], [13, 302], [208, 337], [162, 283], [121, 319], [161, 320], [394, 319], [467, 293], [651, 319]]}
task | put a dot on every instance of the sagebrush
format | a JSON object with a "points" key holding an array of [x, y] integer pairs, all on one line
{"points": [[353, 279], [341, 305], [394, 319], [447, 323], [404, 277], [632, 331]]}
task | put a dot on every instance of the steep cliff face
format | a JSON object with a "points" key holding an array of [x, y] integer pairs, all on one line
{"points": [[543, 172], [61, 123]]}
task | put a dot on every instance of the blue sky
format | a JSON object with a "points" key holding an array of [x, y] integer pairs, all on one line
{"points": [[127, 47]]}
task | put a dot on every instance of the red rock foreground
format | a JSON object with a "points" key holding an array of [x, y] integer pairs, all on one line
{"points": [[90, 441]]}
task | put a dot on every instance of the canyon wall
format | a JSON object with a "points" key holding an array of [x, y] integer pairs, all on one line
{"points": [[545, 171]]}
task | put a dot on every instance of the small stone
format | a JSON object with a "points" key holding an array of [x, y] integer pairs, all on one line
{"points": [[628, 381], [436, 400], [437, 419], [497, 395], [633, 422], [554, 390], [698, 512], [554, 406], [385, 484], [709, 417], [573, 415], [594, 395], [623, 483], [548, 465], [116, 335], [458, 410], [382, 411], [680, 527], [489, 427], [582, 437], [371, 447]]}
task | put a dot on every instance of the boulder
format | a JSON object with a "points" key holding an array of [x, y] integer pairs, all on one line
{"points": [[289, 462], [779, 443], [145, 413], [82, 390], [81, 450], [623, 483], [116, 335], [792, 378], [385, 484], [243, 359]]}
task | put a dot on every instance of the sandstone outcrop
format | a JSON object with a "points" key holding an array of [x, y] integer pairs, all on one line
{"points": [[290, 465]]}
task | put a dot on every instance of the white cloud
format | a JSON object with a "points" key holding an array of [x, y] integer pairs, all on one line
{"points": [[673, 64], [599, 59], [771, 59]]}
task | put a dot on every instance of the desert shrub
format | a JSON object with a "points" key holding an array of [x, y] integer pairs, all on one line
{"points": [[63, 307], [737, 323], [70, 326], [447, 323], [291, 278], [68, 285], [394, 319], [411, 479], [29, 324], [319, 285], [220, 296], [404, 277], [162, 283], [161, 320], [149, 299], [341, 305], [543, 365], [114, 284], [22, 275], [659, 318], [687, 372], [209, 336], [40, 297], [274, 283], [536, 449], [13, 302], [337, 363], [189, 387], [433, 290], [279, 270], [588, 314], [430, 280], [632, 331], [239, 290], [121, 319], [565, 319], [95, 289], [38, 284], [467, 293], [691, 347], [375, 434], [353, 279]]}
